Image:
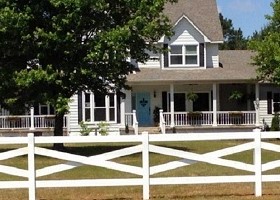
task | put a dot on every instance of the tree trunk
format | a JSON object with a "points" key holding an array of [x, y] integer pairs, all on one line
{"points": [[58, 131]]}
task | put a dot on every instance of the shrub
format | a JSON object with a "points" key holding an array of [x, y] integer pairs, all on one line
{"points": [[275, 123], [85, 130], [103, 128]]}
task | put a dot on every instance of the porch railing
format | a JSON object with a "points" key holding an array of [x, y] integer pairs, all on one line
{"points": [[24, 121], [131, 120], [189, 118], [206, 118], [236, 118]]}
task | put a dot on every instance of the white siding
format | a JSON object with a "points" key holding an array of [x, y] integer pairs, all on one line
{"points": [[154, 62], [73, 115], [185, 33], [263, 102], [128, 101], [212, 57]]}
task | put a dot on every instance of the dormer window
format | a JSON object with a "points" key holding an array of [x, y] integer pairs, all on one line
{"points": [[184, 55]]}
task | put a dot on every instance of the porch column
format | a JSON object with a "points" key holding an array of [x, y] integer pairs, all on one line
{"points": [[172, 124], [214, 104], [32, 118], [122, 110], [257, 104]]}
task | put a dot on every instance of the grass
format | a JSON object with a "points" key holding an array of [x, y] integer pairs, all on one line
{"points": [[200, 192]]}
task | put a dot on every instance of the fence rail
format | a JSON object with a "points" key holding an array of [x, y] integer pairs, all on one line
{"points": [[145, 145]]}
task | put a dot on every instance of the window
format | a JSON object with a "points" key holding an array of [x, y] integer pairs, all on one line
{"points": [[184, 55], [99, 107], [273, 102], [44, 109]]}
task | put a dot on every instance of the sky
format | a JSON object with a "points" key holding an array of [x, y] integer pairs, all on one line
{"points": [[249, 15]]}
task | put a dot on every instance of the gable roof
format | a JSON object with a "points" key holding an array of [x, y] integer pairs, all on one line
{"points": [[236, 67], [202, 13]]}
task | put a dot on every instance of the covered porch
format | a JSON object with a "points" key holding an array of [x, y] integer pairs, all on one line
{"points": [[212, 107]]}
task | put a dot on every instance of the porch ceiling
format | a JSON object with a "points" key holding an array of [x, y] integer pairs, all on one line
{"points": [[235, 68]]}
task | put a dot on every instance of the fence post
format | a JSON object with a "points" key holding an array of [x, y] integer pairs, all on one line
{"points": [[31, 167], [258, 162], [146, 166]]}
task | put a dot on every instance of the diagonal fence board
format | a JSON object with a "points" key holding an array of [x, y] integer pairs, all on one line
{"points": [[272, 164], [210, 158], [106, 160], [96, 160], [14, 171], [13, 153], [271, 147], [185, 162]]}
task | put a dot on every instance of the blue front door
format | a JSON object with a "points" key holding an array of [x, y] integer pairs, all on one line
{"points": [[143, 108]]}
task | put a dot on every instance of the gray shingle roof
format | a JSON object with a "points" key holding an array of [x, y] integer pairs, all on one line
{"points": [[235, 68], [203, 13]]}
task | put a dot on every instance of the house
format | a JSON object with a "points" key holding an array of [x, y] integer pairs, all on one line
{"points": [[194, 85]]}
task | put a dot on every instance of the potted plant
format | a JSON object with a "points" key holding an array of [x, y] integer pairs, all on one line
{"points": [[191, 96], [156, 115], [235, 95]]}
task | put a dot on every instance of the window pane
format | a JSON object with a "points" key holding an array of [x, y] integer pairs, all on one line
{"points": [[99, 100], [133, 102], [191, 50], [176, 50], [191, 60], [51, 110], [87, 97], [112, 114], [87, 115], [112, 100], [176, 60], [44, 110], [99, 114]]}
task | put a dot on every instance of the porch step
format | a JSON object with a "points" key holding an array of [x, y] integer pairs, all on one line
{"points": [[150, 130]]}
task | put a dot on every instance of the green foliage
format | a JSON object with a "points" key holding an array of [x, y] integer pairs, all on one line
{"points": [[50, 50], [191, 96], [275, 123], [267, 48], [235, 95], [85, 130], [103, 128], [233, 38]]}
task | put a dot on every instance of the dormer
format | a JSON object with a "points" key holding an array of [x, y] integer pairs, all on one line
{"points": [[186, 48], [197, 35]]}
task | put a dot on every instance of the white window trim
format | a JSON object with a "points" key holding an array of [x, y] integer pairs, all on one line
{"points": [[43, 106], [184, 56], [92, 107]]}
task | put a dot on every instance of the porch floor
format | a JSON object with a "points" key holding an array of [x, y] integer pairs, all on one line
{"points": [[212, 129], [193, 129]]}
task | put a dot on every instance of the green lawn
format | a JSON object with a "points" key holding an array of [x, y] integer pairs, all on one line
{"points": [[213, 191]]}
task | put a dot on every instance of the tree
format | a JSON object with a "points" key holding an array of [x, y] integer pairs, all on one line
{"points": [[267, 49], [233, 39], [51, 49]]}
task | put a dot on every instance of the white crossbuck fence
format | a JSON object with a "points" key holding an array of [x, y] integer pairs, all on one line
{"points": [[144, 144]]}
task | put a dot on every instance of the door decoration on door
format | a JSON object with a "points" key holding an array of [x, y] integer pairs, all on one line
{"points": [[143, 102]]}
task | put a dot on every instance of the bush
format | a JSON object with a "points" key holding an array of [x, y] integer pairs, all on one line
{"points": [[85, 130], [275, 123], [103, 128]]}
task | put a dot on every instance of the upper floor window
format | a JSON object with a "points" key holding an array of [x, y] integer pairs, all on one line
{"points": [[184, 55]]}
